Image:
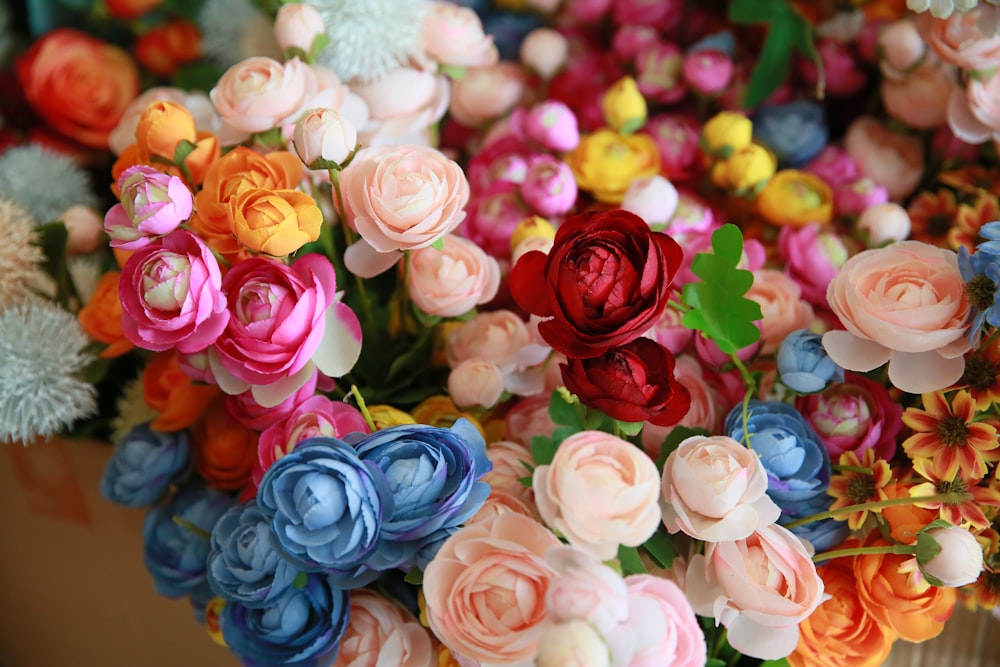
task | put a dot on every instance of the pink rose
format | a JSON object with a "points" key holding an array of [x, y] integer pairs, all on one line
{"points": [[171, 293], [708, 71], [453, 280], [152, 204], [476, 383], [835, 166], [600, 492], [585, 589], [500, 336], [453, 35], [505, 159], [403, 105], [493, 215], [259, 93], [529, 417], [660, 73], [893, 160], [544, 50], [676, 137], [399, 198], [666, 629], [381, 633], [759, 588], [669, 332], [487, 93], [855, 197], [812, 256], [297, 25], [841, 69], [323, 134], [589, 11], [781, 302], [920, 99], [549, 186], [485, 589], [660, 14], [715, 489], [959, 41], [904, 304], [630, 40], [247, 412], [974, 114]]}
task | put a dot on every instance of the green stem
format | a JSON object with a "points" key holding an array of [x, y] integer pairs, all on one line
{"points": [[947, 498], [183, 523], [363, 407], [751, 386], [338, 203], [899, 549], [839, 468]]}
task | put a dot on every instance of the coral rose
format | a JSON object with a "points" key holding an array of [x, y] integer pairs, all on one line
{"points": [[485, 590], [959, 41], [781, 303]]}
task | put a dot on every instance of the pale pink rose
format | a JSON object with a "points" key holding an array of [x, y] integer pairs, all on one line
{"points": [[708, 406], [247, 412], [545, 50], [856, 197], [891, 159], [453, 280], [197, 102], [599, 492], [812, 255], [585, 589], [960, 559], [403, 105], [453, 35], [152, 204], [476, 383], [258, 94], [708, 71], [835, 166], [549, 186], [171, 293], [885, 223], [974, 116], [486, 93], [715, 489], [900, 47], [760, 588], [959, 41], [485, 589], [501, 501], [529, 417], [297, 25], [904, 304], [665, 627], [572, 644], [381, 633], [654, 199], [920, 100], [399, 198], [550, 123], [781, 302], [84, 226], [499, 336], [323, 134]]}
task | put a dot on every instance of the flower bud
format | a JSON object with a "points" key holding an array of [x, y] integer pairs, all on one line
{"points": [[545, 51], [949, 556], [549, 187], [84, 226], [323, 138], [536, 226], [476, 382], [885, 223], [803, 364], [726, 133], [553, 125], [297, 25], [708, 71], [624, 106], [653, 199], [572, 644], [746, 170], [901, 48]]}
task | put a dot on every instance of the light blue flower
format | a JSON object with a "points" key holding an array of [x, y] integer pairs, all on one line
{"points": [[803, 364], [795, 132], [981, 273], [143, 466]]}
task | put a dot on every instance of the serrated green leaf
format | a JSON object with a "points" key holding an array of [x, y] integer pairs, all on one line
{"points": [[756, 11], [774, 62], [719, 308], [661, 549], [630, 561], [542, 449], [565, 409]]}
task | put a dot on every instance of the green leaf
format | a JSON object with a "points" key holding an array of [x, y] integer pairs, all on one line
{"points": [[756, 11], [774, 62], [300, 580], [415, 576], [631, 563], [629, 428], [197, 76], [632, 126], [560, 433], [453, 72], [52, 239], [438, 244], [564, 408], [184, 148], [719, 308], [715, 662], [661, 549], [781, 662], [542, 450]]}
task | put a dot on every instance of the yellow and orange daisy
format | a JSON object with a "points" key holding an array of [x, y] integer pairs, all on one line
{"points": [[947, 437], [972, 179], [982, 375], [854, 487], [968, 512], [970, 219], [932, 215]]}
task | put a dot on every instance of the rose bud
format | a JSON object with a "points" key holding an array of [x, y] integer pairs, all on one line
{"points": [[297, 25], [708, 71], [324, 139], [949, 556], [553, 125], [545, 51], [549, 187]]}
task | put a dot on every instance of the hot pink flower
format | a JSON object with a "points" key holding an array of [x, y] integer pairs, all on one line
{"points": [[841, 69], [676, 137], [707, 70], [152, 204], [812, 257], [835, 166], [550, 123], [493, 216], [246, 411], [855, 197], [549, 187], [660, 70]]}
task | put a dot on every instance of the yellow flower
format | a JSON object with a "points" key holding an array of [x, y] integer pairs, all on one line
{"points": [[605, 163], [385, 416], [746, 170], [440, 411], [726, 133], [624, 106], [795, 198], [531, 227]]}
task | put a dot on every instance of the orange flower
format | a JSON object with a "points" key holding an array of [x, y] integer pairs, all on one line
{"points": [[275, 222], [101, 318], [224, 451], [440, 411], [970, 219], [166, 47], [931, 216], [916, 611], [169, 391], [853, 488], [973, 179], [905, 521], [982, 375], [969, 512], [162, 127], [947, 436], [78, 84], [840, 633]]}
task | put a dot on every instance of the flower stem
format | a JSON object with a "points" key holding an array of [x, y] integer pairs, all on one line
{"points": [[183, 523], [363, 408], [338, 203], [947, 498], [751, 386], [839, 468], [900, 549]]}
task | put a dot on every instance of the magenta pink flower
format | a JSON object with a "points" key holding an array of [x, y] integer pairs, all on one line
{"points": [[152, 204], [549, 187], [550, 123], [812, 258], [708, 71]]}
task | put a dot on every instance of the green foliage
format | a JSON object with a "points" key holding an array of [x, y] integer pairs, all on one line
{"points": [[197, 76], [719, 307], [782, 662], [630, 561], [52, 239], [661, 549]]}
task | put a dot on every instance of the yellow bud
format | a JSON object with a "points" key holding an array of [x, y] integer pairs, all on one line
{"points": [[385, 416], [530, 227], [748, 169], [726, 133], [624, 106], [796, 198]]}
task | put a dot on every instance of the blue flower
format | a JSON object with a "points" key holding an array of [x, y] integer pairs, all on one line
{"points": [[824, 535], [981, 273], [244, 563], [795, 132], [803, 364], [432, 473], [144, 465], [325, 505], [720, 41], [302, 627], [176, 540]]}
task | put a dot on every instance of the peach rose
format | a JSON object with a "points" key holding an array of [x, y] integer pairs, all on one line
{"points": [[487, 93], [529, 417], [599, 492], [545, 51], [510, 464], [297, 25], [485, 589], [974, 114], [453, 35], [782, 305], [453, 280], [760, 588], [259, 93], [381, 633], [715, 489], [920, 100], [275, 222], [904, 304], [399, 198], [403, 105], [893, 160], [959, 41], [475, 382], [501, 501]]}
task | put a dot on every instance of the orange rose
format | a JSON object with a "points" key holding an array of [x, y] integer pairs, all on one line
{"points": [[169, 391], [840, 633], [891, 591], [224, 451], [162, 127], [101, 318], [78, 84], [275, 222], [166, 47], [239, 170], [905, 521]]}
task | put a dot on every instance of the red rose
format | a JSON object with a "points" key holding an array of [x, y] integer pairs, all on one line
{"points": [[604, 283], [631, 383]]}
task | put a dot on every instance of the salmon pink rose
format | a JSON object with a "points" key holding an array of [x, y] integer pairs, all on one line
{"points": [[904, 304], [891, 159], [485, 590], [782, 306], [381, 633], [453, 280], [959, 41], [259, 94], [760, 588], [600, 492]]}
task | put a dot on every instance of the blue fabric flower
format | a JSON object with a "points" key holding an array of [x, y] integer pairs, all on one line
{"points": [[244, 564], [144, 465], [981, 273], [795, 132], [803, 364], [302, 627], [325, 505], [432, 473], [176, 540]]}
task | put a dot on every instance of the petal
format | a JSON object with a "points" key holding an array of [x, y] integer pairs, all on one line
{"points": [[270, 395], [963, 124], [760, 641], [340, 347], [923, 372], [853, 353], [363, 260]]}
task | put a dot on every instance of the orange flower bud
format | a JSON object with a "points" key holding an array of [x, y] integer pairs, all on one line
{"points": [[162, 127], [166, 47], [224, 451], [169, 391], [101, 318]]}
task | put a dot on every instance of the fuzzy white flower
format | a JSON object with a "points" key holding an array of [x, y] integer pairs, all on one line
{"points": [[43, 182], [370, 38], [41, 350], [19, 256], [131, 410]]}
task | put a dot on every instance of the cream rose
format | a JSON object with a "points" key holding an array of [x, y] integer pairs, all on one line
{"points": [[453, 280], [600, 492]]}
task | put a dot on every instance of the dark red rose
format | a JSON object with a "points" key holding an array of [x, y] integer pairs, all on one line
{"points": [[631, 383], [604, 283]]}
